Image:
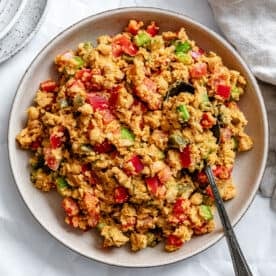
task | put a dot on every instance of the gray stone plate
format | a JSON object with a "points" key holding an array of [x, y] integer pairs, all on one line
{"points": [[24, 29]]}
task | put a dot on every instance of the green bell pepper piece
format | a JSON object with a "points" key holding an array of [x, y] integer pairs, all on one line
{"points": [[235, 93], [183, 47], [79, 61], [177, 141], [184, 58], [184, 113], [142, 39], [127, 134], [62, 185], [205, 212]]}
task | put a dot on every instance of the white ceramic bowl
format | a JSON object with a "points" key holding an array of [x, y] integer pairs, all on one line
{"points": [[46, 208], [10, 10]]}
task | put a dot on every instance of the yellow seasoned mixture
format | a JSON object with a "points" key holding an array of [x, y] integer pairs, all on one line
{"points": [[125, 131]]}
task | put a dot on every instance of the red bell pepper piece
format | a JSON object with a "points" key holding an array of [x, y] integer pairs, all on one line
{"points": [[152, 29], [98, 102], [48, 86], [121, 194], [173, 240], [185, 157], [153, 184], [137, 163], [114, 95], [177, 207], [122, 44], [52, 162], [198, 70], [55, 141], [104, 147], [223, 91], [209, 192]]}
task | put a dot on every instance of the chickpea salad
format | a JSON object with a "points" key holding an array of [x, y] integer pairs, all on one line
{"points": [[126, 129]]}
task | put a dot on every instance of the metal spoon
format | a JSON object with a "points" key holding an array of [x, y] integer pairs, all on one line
{"points": [[240, 265]]}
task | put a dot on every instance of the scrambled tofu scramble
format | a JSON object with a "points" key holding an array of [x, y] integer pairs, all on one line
{"points": [[126, 130]]}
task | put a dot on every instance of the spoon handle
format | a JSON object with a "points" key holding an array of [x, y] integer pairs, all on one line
{"points": [[241, 267]]}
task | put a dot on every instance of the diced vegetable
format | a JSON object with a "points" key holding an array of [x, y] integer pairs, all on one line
{"points": [[104, 147], [98, 102], [55, 141], [51, 161], [177, 141], [177, 207], [48, 86], [78, 61], [209, 192], [127, 134], [184, 58], [198, 70], [153, 184], [142, 39], [62, 184], [113, 99], [223, 91], [120, 194], [205, 212], [185, 157], [122, 44], [137, 163], [183, 47], [183, 112], [235, 93], [152, 29], [173, 240]]}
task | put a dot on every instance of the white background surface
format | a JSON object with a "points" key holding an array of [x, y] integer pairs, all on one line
{"points": [[27, 249]]}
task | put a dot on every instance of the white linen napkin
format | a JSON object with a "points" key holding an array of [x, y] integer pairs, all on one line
{"points": [[250, 25]]}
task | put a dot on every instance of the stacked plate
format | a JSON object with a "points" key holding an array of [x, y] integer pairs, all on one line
{"points": [[19, 21]]}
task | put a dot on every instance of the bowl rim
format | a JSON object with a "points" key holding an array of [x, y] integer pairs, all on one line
{"points": [[204, 28], [16, 16]]}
